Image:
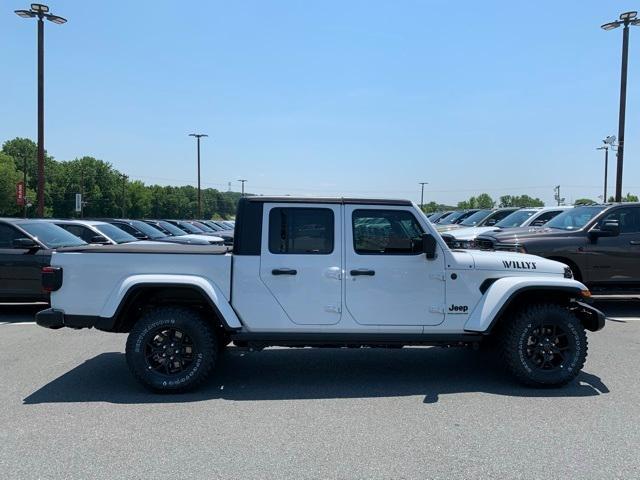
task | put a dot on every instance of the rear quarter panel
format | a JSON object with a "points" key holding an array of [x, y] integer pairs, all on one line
{"points": [[94, 283]]}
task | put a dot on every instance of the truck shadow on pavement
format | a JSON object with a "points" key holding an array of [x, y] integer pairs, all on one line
{"points": [[20, 312], [297, 374], [620, 310]]}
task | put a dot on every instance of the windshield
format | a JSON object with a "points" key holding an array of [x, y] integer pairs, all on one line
{"points": [[473, 220], [190, 228], [115, 234], [50, 235], [172, 229], [516, 219], [203, 227], [147, 229], [213, 226], [575, 218], [452, 218]]}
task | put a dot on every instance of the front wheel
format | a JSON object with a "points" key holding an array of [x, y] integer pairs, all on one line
{"points": [[544, 345], [171, 349]]}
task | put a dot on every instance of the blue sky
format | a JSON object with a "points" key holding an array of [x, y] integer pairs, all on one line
{"points": [[362, 98]]}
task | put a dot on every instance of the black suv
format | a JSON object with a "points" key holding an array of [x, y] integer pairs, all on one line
{"points": [[601, 244], [25, 247]]}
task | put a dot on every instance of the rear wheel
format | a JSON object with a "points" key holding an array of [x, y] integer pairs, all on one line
{"points": [[544, 345], [171, 349]]}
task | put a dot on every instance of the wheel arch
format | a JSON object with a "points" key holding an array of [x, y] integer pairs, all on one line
{"points": [[506, 295], [137, 297]]}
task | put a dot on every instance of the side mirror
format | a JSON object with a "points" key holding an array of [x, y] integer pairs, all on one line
{"points": [[429, 245], [140, 236], [491, 222], [99, 239], [610, 228], [25, 243]]}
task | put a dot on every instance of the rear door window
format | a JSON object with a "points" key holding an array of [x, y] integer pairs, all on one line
{"points": [[301, 231]]}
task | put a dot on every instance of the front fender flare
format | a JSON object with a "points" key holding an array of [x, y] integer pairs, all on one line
{"points": [[503, 291], [209, 289]]}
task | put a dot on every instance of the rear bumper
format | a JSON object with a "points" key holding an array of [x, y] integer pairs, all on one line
{"points": [[54, 319]]}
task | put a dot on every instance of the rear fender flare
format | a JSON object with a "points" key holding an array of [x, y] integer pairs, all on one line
{"points": [[210, 290]]}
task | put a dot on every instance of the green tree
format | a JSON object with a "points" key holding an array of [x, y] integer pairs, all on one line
{"points": [[584, 201], [138, 200], [521, 201], [102, 186], [9, 177], [627, 198], [481, 201]]}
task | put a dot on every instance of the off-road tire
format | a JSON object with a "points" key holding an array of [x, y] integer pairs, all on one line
{"points": [[178, 331], [543, 345]]}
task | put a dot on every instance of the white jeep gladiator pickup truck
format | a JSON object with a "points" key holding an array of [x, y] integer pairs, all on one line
{"points": [[331, 272]]}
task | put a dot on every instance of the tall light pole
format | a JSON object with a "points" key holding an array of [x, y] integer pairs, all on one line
{"points": [[198, 137], [124, 195], [626, 19], [242, 182], [40, 12], [606, 168], [422, 184]]}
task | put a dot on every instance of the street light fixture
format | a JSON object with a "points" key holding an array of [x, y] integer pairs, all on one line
{"points": [[40, 12], [626, 19], [609, 143], [198, 136]]}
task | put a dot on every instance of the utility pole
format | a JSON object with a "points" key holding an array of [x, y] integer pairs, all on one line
{"points": [[24, 182], [40, 12], [557, 196], [422, 184], [124, 195], [625, 20], [81, 191], [198, 137], [242, 181]]}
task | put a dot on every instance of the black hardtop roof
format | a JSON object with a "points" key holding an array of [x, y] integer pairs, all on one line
{"points": [[333, 200]]}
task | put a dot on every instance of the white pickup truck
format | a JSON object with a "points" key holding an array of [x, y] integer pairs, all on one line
{"points": [[330, 272]]}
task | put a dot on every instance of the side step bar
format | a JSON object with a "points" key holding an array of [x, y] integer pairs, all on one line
{"points": [[261, 340]]}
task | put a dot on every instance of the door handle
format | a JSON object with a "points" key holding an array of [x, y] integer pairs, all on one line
{"points": [[284, 271], [362, 271], [634, 242]]}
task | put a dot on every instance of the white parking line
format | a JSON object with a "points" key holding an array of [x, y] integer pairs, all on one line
{"points": [[17, 323]]}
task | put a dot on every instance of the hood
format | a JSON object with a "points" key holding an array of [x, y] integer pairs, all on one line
{"points": [[521, 233], [446, 228], [515, 263], [201, 238], [469, 233]]}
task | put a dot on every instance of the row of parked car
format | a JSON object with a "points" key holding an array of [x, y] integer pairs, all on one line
{"points": [[26, 245], [600, 243]]}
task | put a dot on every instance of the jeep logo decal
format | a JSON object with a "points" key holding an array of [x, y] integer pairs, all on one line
{"points": [[520, 265], [458, 309]]}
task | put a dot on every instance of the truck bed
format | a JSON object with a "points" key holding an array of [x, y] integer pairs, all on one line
{"points": [[96, 277]]}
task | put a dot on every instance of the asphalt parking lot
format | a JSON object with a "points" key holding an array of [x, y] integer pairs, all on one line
{"points": [[70, 409]]}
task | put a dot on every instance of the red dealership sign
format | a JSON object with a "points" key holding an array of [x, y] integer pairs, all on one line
{"points": [[20, 193]]}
